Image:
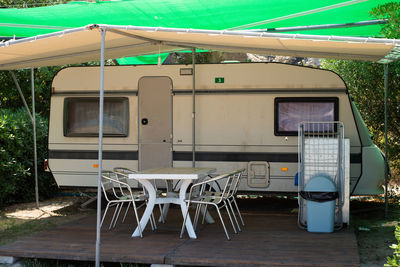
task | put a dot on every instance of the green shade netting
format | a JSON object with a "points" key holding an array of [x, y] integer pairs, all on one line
{"points": [[198, 14], [142, 60], [150, 59]]}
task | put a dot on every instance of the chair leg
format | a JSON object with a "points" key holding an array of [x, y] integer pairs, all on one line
{"points": [[237, 208], [126, 212], [230, 217], [161, 219], [223, 224], [197, 215], [153, 222], [119, 212], [234, 215], [204, 214], [104, 215], [113, 217]]}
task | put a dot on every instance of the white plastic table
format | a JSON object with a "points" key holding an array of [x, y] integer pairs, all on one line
{"points": [[187, 175]]}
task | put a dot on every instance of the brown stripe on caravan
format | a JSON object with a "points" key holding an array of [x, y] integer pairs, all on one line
{"points": [[187, 156]]}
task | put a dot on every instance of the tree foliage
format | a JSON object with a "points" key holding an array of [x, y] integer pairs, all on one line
{"points": [[9, 96], [43, 78], [390, 12], [16, 157], [365, 81], [27, 3]]}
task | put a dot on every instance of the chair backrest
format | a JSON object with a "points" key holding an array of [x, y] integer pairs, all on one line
{"points": [[111, 182], [236, 182], [232, 183], [123, 176], [124, 170], [122, 173], [230, 187], [108, 184], [224, 192]]}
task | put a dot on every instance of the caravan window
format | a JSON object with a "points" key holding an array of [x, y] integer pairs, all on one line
{"points": [[291, 111], [81, 116]]}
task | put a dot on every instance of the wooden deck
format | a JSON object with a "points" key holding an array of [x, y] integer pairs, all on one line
{"points": [[269, 238]]}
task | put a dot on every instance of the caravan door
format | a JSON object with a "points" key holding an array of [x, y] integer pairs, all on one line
{"points": [[155, 122]]}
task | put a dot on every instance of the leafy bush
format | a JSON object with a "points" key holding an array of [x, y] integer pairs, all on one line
{"points": [[17, 179], [366, 84], [9, 97], [395, 261]]}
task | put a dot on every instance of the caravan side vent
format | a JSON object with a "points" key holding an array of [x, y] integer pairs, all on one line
{"points": [[185, 71], [258, 174]]}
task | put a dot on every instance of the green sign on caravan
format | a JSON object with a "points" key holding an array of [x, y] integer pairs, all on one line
{"points": [[219, 79]]}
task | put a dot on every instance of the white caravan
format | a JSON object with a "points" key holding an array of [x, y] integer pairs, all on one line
{"points": [[246, 116]]}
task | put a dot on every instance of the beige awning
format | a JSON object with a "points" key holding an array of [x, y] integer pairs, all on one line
{"points": [[83, 44]]}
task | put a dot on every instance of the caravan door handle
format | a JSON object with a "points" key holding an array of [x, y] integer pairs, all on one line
{"points": [[145, 121]]}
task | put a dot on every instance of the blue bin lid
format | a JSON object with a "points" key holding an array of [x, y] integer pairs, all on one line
{"points": [[320, 183]]}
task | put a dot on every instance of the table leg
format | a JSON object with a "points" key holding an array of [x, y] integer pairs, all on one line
{"points": [[166, 206], [164, 213], [149, 208], [209, 219], [182, 197]]}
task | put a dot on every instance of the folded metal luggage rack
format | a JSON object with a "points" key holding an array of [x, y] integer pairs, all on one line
{"points": [[321, 152]]}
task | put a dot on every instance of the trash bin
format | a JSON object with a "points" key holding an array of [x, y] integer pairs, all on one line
{"points": [[320, 194]]}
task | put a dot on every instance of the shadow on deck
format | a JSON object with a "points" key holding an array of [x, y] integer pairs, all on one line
{"points": [[270, 238]]}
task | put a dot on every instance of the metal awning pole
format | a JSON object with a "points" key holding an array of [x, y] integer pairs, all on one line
{"points": [[32, 117], [34, 137], [323, 26], [386, 77], [100, 165], [21, 95], [194, 109]]}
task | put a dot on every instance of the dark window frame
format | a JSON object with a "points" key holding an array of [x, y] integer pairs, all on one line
{"points": [[277, 132], [67, 100]]}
